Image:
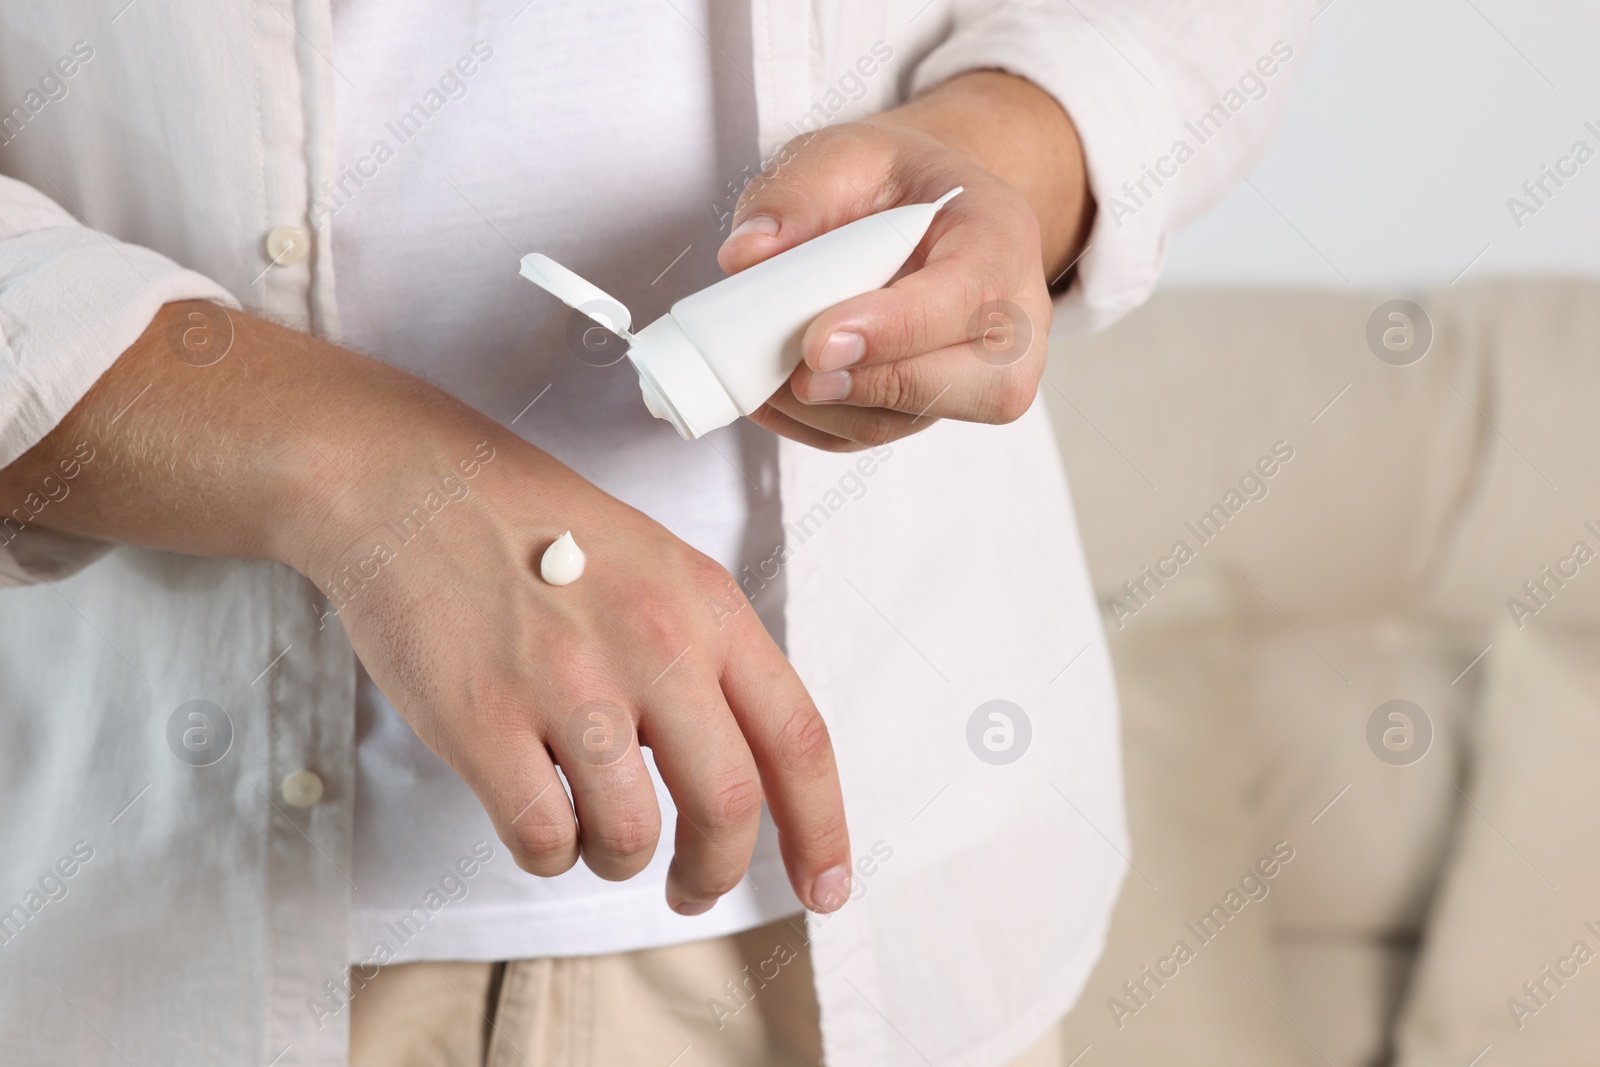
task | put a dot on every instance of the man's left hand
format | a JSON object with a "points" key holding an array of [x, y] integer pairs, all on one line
{"points": [[962, 332]]}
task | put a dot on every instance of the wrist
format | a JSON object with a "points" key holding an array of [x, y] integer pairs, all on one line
{"points": [[377, 489], [374, 447]]}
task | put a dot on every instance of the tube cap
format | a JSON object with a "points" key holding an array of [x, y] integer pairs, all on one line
{"points": [[577, 292], [677, 383]]}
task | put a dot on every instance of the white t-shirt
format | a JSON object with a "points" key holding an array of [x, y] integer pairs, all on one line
{"points": [[605, 135]]}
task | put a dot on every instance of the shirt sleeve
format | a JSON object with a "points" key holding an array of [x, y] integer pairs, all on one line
{"points": [[1174, 101], [72, 299]]}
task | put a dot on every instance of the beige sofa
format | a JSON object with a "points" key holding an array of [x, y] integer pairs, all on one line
{"points": [[1321, 876]]}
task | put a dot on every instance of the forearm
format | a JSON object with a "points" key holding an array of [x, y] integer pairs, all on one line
{"points": [[249, 456], [1017, 131]]}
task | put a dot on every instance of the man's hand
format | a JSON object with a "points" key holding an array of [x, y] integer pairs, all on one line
{"points": [[507, 677], [252, 441], [963, 333]]}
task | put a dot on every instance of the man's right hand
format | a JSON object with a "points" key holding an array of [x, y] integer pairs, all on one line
{"points": [[424, 522]]}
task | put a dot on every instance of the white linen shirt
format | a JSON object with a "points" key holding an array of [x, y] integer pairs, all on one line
{"points": [[156, 911]]}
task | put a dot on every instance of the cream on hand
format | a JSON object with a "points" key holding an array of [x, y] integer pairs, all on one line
{"points": [[562, 563], [720, 353]]}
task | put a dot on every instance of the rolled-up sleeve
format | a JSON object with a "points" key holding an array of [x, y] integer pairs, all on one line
{"points": [[72, 299], [1172, 102]]}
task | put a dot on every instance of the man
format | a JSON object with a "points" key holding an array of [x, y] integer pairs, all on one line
{"points": [[288, 756]]}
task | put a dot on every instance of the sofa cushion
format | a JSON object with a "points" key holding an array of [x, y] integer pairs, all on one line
{"points": [[1366, 795], [1511, 957], [1344, 993], [1534, 495], [1184, 403], [1188, 759]]}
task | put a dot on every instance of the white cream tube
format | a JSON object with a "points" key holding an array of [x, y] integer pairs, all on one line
{"points": [[720, 353]]}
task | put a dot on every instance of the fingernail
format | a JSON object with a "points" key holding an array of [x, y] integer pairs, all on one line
{"points": [[765, 225], [834, 385], [831, 889], [842, 349], [689, 907]]}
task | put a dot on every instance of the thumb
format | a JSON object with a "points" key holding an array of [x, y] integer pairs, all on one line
{"points": [[810, 187]]}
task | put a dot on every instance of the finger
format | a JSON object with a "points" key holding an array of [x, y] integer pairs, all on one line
{"points": [[794, 754], [953, 382], [515, 781], [861, 427], [770, 418], [965, 291], [816, 183], [707, 767], [619, 820]]}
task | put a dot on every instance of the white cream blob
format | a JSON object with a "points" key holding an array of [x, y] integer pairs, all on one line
{"points": [[562, 563]]}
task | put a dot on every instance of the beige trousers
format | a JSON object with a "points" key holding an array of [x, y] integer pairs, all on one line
{"points": [[740, 1000]]}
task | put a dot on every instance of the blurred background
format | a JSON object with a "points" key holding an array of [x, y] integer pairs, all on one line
{"points": [[1362, 702], [1408, 127]]}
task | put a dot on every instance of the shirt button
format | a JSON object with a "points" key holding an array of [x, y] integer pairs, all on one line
{"points": [[288, 245], [301, 789]]}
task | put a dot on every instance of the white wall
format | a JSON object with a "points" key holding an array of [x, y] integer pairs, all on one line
{"points": [[1410, 124]]}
